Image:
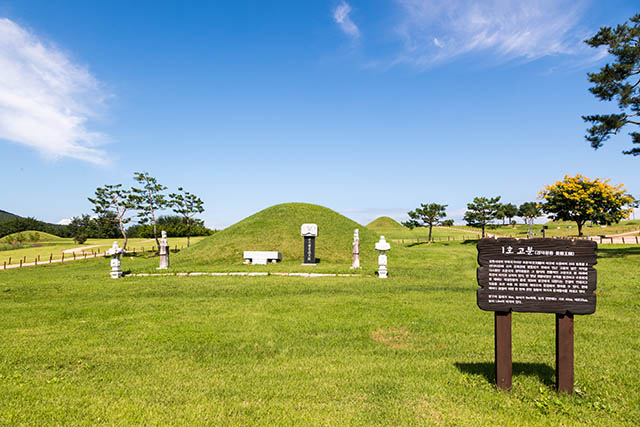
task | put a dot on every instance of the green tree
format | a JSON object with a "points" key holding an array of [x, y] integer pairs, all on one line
{"points": [[427, 215], [482, 211], [581, 199], [147, 200], [187, 205], [112, 201], [619, 80], [529, 211], [510, 210], [501, 214]]}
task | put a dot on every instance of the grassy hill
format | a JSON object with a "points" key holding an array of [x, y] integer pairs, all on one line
{"points": [[36, 236], [384, 223], [278, 229], [7, 216]]}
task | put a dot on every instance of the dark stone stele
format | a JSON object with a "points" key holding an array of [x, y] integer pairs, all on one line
{"points": [[537, 275], [309, 249]]}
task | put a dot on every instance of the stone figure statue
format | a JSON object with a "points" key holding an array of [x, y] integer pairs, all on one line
{"points": [[356, 250]]}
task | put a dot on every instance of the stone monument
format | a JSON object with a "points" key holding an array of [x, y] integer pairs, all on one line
{"points": [[309, 232], [383, 246], [115, 252], [164, 252], [356, 250]]}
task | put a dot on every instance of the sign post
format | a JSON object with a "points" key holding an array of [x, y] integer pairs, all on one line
{"points": [[537, 276]]}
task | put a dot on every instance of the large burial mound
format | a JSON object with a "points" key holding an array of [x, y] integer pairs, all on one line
{"points": [[384, 223], [278, 229]]}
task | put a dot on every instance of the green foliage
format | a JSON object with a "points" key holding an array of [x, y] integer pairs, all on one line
{"points": [[112, 202], [581, 199], [618, 80], [175, 226], [7, 216], [80, 238], [530, 211], [20, 224], [101, 227], [508, 211], [427, 215], [447, 223], [482, 211], [148, 200], [187, 205]]}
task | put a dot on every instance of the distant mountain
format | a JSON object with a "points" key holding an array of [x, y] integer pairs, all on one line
{"points": [[7, 216]]}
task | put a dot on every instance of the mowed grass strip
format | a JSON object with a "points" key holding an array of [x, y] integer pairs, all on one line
{"points": [[80, 348]]}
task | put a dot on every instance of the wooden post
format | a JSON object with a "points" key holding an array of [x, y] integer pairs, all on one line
{"points": [[74, 256], [564, 352], [38, 257], [5, 265], [20, 262], [9, 260], [35, 261], [50, 258], [504, 367], [636, 239], [62, 257], [25, 258]]}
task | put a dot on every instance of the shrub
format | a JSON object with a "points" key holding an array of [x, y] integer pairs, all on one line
{"points": [[80, 238]]}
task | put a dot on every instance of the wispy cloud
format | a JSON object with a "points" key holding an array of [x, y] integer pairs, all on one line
{"points": [[45, 99], [433, 31], [342, 18]]}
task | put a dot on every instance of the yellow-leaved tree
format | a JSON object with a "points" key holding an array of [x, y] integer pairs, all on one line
{"points": [[580, 199]]}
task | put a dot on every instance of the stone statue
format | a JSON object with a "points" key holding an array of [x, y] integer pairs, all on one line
{"points": [[356, 250], [164, 252], [115, 252]]}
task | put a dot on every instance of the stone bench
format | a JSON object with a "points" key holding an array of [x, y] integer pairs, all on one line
{"points": [[261, 257]]}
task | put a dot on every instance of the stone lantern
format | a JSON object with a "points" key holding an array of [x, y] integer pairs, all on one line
{"points": [[383, 246], [115, 252]]}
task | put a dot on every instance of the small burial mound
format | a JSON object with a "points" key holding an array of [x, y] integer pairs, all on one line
{"points": [[278, 229], [384, 223], [33, 236]]}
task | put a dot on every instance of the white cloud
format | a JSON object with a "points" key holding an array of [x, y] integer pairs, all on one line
{"points": [[433, 31], [342, 18], [45, 99], [65, 221]]}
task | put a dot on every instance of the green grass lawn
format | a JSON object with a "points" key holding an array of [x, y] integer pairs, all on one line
{"points": [[422, 233], [54, 246], [559, 229], [80, 348]]}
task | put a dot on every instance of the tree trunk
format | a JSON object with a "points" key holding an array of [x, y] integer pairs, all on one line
{"points": [[188, 232], [430, 227], [580, 224], [153, 218], [120, 214], [483, 230]]}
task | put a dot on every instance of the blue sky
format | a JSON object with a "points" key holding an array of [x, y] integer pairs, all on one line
{"points": [[366, 107]]}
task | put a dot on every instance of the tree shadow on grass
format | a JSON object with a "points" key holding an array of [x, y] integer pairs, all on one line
{"points": [[545, 373], [470, 241], [617, 252]]}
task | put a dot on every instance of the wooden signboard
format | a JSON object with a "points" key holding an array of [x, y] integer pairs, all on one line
{"points": [[539, 276]]}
